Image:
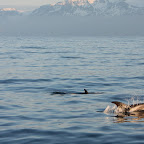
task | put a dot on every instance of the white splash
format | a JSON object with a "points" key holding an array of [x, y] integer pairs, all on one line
{"points": [[110, 109], [136, 99]]}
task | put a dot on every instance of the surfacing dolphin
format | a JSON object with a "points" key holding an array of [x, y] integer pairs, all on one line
{"points": [[123, 108], [85, 92]]}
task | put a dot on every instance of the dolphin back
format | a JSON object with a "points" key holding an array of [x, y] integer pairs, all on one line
{"points": [[120, 104], [121, 107]]}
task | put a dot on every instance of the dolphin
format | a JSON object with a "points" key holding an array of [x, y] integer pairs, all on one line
{"points": [[123, 108], [85, 92]]}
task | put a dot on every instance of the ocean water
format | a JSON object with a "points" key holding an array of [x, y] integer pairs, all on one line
{"points": [[41, 76]]}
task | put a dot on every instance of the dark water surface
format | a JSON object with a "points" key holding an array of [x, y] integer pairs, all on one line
{"points": [[32, 68]]}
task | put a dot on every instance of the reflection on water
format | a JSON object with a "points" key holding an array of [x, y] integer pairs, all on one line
{"points": [[130, 117]]}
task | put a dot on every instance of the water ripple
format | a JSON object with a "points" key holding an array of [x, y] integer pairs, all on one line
{"points": [[33, 47], [33, 68], [17, 81]]}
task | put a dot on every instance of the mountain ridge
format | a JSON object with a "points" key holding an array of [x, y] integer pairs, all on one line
{"points": [[89, 8]]}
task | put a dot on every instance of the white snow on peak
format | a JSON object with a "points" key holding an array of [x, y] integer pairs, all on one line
{"points": [[10, 12], [8, 9], [80, 1]]}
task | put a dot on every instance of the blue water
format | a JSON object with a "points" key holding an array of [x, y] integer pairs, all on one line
{"points": [[32, 68]]}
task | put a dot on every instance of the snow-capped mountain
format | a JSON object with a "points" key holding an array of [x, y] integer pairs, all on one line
{"points": [[89, 8], [9, 12]]}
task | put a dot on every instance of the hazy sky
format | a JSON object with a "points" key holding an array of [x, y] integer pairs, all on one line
{"points": [[42, 2], [27, 2]]}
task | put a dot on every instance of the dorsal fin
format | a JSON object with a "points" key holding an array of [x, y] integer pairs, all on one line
{"points": [[119, 104], [86, 92]]}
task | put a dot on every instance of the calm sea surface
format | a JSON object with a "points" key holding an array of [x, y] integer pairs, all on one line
{"points": [[32, 69]]}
